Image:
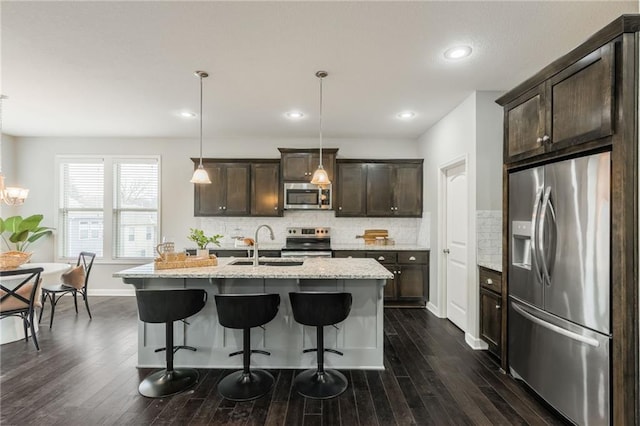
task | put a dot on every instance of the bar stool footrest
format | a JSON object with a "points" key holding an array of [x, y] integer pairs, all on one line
{"points": [[333, 351], [166, 383], [176, 348], [315, 385], [240, 386]]}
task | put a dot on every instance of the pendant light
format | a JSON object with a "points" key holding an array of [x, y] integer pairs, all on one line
{"points": [[320, 176], [12, 196], [200, 175]]}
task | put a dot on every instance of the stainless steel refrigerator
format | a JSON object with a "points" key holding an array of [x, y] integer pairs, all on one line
{"points": [[559, 333]]}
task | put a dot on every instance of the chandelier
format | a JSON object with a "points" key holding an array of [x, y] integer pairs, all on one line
{"points": [[11, 195]]}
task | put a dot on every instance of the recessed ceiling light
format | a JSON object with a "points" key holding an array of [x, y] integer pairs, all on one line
{"points": [[406, 115], [187, 114], [458, 52], [294, 115]]}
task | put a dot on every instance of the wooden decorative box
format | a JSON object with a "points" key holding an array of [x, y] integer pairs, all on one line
{"points": [[186, 263]]}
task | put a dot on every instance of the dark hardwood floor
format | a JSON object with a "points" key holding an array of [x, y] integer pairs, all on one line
{"points": [[85, 374]]}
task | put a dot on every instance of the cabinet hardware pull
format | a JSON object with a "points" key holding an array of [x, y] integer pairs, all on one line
{"points": [[220, 208], [399, 272], [412, 258], [391, 208], [539, 140], [546, 138], [497, 306], [340, 208], [445, 251], [275, 208], [381, 258], [489, 281]]}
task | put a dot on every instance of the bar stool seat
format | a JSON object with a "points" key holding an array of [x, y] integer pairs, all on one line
{"points": [[167, 306], [319, 309], [245, 311]]}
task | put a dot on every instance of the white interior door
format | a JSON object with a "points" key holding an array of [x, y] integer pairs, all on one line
{"points": [[455, 249]]}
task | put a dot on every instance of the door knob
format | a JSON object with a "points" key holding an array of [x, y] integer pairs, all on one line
{"points": [[445, 251]]}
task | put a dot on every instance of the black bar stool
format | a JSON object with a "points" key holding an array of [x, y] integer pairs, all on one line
{"points": [[318, 309], [167, 306], [245, 311]]}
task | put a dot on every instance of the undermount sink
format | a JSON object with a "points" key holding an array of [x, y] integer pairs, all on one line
{"points": [[242, 262]]}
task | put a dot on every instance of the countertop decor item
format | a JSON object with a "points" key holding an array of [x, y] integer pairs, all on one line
{"points": [[197, 236], [320, 176], [200, 175], [22, 232]]}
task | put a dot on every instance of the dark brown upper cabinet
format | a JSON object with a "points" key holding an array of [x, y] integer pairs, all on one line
{"points": [[299, 164], [394, 188], [572, 107], [350, 195], [239, 188], [378, 188], [265, 188]]}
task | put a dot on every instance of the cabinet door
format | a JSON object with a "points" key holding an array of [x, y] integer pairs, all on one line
{"points": [[390, 292], [238, 189], [351, 190], [380, 189], [296, 166], [328, 163], [525, 125], [491, 320], [410, 282], [407, 190], [209, 198], [265, 189], [582, 99]]}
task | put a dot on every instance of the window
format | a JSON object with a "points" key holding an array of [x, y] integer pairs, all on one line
{"points": [[117, 196]]}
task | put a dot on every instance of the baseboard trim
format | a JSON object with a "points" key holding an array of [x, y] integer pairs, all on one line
{"points": [[475, 343], [112, 292], [434, 310]]}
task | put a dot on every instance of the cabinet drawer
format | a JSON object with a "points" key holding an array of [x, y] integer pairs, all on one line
{"points": [[384, 257], [490, 279], [354, 254], [411, 257]]}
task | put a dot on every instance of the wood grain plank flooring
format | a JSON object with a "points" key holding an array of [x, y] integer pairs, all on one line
{"points": [[85, 374]]}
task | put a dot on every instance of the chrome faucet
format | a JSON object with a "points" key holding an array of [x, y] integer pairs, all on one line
{"points": [[255, 243]]}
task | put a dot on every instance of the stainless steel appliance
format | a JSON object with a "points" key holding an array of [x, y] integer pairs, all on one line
{"points": [[559, 287], [307, 242], [306, 196]]}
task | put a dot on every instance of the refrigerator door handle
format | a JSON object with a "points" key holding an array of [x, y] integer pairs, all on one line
{"points": [[534, 222], [570, 334], [541, 243]]}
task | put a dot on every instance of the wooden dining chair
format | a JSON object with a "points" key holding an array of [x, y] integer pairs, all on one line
{"points": [[22, 299], [74, 281]]}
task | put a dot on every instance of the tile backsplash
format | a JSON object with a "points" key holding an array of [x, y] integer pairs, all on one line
{"points": [[489, 234], [343, 230]]}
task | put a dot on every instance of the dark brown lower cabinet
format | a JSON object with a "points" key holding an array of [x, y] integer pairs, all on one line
{"points": [[409, 286], [491, 309]]}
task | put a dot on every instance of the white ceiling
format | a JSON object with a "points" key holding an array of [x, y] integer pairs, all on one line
{"points": [[105, 69]]}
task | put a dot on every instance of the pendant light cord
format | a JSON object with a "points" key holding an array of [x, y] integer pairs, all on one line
{"points": [[201, 120], [321, 78]]}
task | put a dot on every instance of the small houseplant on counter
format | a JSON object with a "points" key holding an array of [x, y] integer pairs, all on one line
{"points": [[198, 237], [18, 234]]}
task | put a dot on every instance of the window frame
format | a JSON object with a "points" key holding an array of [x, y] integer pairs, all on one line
{"points": [[108, 209]]}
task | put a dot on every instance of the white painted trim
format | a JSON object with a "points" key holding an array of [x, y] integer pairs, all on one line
{"points": [[112, 292], [434, 310], [475, 343], [442, 227]]}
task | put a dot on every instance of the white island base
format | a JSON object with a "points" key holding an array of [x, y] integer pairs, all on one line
{"points": [[359, 337]]}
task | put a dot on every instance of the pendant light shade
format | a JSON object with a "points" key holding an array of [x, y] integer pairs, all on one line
{"points": [[320, 176], [200, 175]]}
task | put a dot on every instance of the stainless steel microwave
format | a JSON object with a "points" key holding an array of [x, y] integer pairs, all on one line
{"points": [[306, 196]]}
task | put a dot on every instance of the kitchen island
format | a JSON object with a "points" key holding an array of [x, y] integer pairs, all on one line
{"points": [[359, 337]]}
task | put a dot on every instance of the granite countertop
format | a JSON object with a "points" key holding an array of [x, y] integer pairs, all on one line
{"points": [[261, 246], [372, 247], [494, 266], [324, 268]]}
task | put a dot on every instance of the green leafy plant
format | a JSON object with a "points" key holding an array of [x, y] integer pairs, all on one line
{"points": [[22, 232], [197, 236]]}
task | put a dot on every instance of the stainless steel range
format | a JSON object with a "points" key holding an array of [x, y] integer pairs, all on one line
{"points": [[307, 242]]}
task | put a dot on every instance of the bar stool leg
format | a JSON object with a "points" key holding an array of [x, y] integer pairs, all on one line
{"points": [[320, 383], [246, 384], [168, 381]]}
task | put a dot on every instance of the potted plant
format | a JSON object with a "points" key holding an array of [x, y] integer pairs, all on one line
{"points": [[198, 237], [18, 234]]}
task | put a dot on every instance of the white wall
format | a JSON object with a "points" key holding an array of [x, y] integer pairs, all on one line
{"points": [[34, 168], [473, 130], [8, 169]]}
